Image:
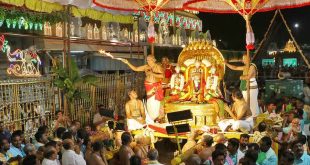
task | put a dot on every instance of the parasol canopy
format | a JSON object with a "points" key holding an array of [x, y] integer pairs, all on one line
{"points": [[248, 7]]}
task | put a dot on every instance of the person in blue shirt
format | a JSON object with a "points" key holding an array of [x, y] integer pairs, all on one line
{"points": [[232, 147], [300, 157], [269, 156], [17, 148]]}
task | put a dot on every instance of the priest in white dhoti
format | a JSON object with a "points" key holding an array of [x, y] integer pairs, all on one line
{"points": [[251, 75], [240, 113], [136, 115]]}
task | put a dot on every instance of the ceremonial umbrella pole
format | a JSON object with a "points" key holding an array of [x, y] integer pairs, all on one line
{"points": [[151, 6], [246, 8]]}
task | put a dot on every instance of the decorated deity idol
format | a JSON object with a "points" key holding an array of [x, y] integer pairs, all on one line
{"points": [[89, 31], [197, 90], [177, 81], [96, 33], [72, 28], [160, 38], [125, 33], [136, 36], [59, 30], [104, 33], [212, 80], [47, 28], [195, 83]]}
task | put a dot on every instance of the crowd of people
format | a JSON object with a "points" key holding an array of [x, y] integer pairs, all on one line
{"points": [[270, 133], [68, 143], [285, 125], [280, 136]]}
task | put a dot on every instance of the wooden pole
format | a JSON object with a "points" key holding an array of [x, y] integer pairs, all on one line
{"points": [[151, 22], [152, 49], [68, 106], [248, 61], [68, 31], [248, 80], [177, 138]]}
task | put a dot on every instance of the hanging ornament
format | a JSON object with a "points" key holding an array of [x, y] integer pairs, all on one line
{"points": [[151, 30], [26, 25], [14, 24], [21, 22], [8, 23], [36, 26], [250, 39], [41, 26], [30, 25]]}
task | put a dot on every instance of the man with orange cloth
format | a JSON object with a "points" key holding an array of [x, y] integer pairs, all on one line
{"points": [[153, 85]]}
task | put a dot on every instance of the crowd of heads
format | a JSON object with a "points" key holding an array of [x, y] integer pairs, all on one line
{"points": [[57, 147]]}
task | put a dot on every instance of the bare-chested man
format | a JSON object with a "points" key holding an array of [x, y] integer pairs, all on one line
{"points": [[240, 113], [126, 152], [135, 113], [97, 157], [251, 75], [154, 74]]}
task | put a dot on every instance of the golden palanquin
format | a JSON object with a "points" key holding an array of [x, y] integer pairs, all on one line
{"points": [[201, 50], [202, 62]]}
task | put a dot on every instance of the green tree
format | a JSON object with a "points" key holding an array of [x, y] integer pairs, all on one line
{"points": [[69, 83]]}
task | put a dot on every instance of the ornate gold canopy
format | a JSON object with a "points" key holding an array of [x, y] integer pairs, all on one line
{"points": [[203, 50]]}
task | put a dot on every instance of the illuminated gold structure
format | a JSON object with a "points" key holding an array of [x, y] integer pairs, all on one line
{"points": [[203, 68], [290, 47]]}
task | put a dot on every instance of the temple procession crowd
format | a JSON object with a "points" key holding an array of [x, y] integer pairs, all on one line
{"points": [[70, 143], [270, 133]]}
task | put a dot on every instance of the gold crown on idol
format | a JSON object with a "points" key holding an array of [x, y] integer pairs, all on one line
{"points": [[199, 45]]}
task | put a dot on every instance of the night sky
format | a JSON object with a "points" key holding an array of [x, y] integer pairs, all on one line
{"points": [[230, 28]]}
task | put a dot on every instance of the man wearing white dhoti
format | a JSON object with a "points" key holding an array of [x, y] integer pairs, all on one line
{"points": [[251, 75], [240, 113], [135, 113], [153, 85]]}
